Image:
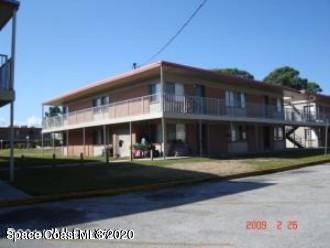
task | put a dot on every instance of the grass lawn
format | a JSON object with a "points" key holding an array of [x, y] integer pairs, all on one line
{"points": [[288, 159], [53, 180]]}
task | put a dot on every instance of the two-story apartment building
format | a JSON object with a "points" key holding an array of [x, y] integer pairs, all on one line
{"points": [[8, 9], [179, 109]]}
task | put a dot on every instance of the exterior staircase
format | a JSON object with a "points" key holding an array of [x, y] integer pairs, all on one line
{"points": [[292, 138]]}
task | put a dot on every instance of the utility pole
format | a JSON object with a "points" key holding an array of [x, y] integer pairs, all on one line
{"points": [[12, 73]]}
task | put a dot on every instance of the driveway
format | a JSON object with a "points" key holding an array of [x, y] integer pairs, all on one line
{"points": [[8, 192], [288, 209]]}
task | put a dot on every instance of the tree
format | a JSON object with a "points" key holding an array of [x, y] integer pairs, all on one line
{"points": [[313, 87], [235, 72], [53, 111], [290, 77]]}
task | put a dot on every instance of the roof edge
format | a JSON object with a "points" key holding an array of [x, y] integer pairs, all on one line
{"points": [[105, 80]]}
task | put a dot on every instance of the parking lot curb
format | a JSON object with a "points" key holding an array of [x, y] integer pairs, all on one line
{"points": [[112, 192]]}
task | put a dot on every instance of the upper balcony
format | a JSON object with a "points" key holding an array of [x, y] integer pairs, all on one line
{"points": [[146, 107], [184, 107]]}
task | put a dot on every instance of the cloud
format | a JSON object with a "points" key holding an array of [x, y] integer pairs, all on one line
{"points": [[3, 122], [33, 121]]}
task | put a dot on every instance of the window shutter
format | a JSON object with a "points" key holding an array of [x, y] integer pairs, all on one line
{"points": [[233, 133], [244, 136], [94, 102], [227, 98], [150, 88], [242, 100], [279, 105]]}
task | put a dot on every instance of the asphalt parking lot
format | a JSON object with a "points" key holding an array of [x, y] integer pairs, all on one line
{"points": [[288, 209]]}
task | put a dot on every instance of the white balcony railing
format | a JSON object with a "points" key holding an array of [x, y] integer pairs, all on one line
{"points": [[129, 108], [217, 107], [185, 105]]}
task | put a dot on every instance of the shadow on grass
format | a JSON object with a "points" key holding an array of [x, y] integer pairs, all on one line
{"points": [[78, 212], [57, 180]]}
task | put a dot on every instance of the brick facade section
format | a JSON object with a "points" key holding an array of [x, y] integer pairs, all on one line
{"points": [[218, 139]]}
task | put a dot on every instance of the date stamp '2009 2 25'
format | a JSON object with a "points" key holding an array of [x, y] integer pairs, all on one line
{"points": [[261, 224]]}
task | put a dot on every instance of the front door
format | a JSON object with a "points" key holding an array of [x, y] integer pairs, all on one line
{"points": [[267, 138], [204, 139], [123, 143]]}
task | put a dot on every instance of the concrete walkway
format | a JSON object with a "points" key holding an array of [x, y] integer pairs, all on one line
{"points": [[8, 192]]}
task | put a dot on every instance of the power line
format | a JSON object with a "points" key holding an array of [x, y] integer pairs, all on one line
{"points": [[177, 33]]}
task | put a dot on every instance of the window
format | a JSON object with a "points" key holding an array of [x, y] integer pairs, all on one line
{"points": [[105, 100], [170, 88], [176, 132], [278, 133], [235, 99], [181, 132], [199, 90], [279, 105], [98, 137], [171, 132], [101, 101], [156, 133], [238, 133], [307, 112], [65, 109], [154, 91], [179, 89], [94, 102]]}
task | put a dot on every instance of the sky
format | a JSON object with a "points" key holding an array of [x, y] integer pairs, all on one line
{"points": [[62, 45]]}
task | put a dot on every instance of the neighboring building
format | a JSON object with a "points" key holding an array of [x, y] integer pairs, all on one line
{"points": [[315, 108], [195, 110], [21, 134], [8, 9]]}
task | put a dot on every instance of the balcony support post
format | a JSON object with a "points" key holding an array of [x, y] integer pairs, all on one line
{"points": [[42, 125], [42, 143], [53, 142], [105, 143], [326, 137], [84, 140], [256, 135], [67, 143], [200, 139], [162, 89], [164, 138], [131, 142]]}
